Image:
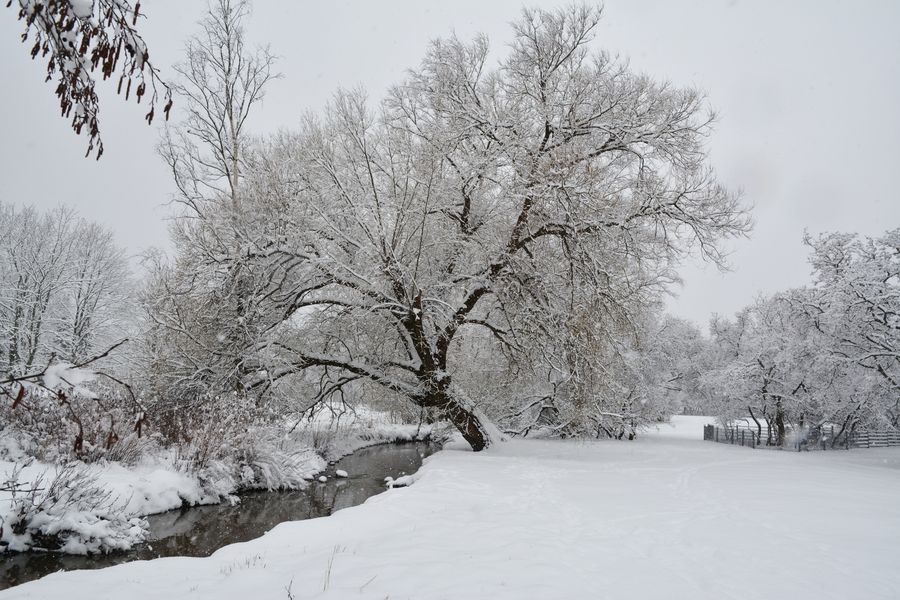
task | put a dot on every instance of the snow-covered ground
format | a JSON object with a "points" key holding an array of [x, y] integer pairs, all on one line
{"points": [[667, 516]]}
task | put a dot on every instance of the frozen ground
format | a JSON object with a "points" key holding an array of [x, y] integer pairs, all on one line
{"points": [[664, 517]]}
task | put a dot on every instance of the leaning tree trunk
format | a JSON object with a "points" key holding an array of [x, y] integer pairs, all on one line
{"points": [[471, 423]]}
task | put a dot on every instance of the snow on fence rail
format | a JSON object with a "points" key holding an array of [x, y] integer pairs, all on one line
{"points": [[819, 438], [875, 439]]}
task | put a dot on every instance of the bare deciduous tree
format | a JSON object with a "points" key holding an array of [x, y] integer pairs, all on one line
{"points": [[221, 80], [200, 307], [505, 200]]}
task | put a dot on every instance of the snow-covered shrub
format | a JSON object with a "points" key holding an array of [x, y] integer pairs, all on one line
{"points": [[131, 449], [230, 444], [270, 460], [321, 437], [15, 445], [62, 419], [67, 511], [205, 430]]}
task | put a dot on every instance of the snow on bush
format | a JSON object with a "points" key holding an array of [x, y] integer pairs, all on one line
{"points": [[15, 445], [62, 375], [65, 511], [272, 461], [62, 420]]}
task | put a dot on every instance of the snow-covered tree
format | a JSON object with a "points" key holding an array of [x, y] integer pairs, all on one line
{"points": [[64, 286], [513, 209], [678, 355], [855, 304], [859, 285], [768, 367], [824, 354], [66, 309], [81, 39], [200, 306]]}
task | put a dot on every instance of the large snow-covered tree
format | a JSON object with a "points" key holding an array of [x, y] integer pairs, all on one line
{"points": [[544, 201], [81, 39], [532, 209]]}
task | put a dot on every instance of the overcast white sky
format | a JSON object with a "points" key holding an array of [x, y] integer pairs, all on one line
{"points": [[808, 95]]}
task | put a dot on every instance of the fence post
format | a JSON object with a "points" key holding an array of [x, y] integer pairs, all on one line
{"points": [[742, 437]]}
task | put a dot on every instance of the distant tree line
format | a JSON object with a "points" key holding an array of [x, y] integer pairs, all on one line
{"points": [[828, 353]]}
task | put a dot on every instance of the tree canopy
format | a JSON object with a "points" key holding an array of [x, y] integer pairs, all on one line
{"points": [[529, 211]]}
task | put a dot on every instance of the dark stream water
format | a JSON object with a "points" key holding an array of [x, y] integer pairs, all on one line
{"points": [[201, 530]]}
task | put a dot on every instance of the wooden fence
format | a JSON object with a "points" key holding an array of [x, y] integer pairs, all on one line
{"points": [[875, 439], [820, 438]]}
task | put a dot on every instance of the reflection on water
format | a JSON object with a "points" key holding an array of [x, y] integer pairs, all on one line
{"points": [[201, 530]]}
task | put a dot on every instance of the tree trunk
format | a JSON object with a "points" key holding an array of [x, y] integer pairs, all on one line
{"points": [[470, 422], [758, 425], [779, 423]]}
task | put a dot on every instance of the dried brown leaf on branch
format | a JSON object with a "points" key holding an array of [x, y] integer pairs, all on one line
{"points": [[83, 38]]}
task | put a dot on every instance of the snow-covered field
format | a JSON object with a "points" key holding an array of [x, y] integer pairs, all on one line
{"points": [[667, 516]]}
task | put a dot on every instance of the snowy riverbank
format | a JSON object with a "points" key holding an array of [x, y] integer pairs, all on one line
{"points": [[667, 516], [97, 507]]}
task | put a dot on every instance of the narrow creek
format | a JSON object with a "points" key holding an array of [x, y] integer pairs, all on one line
{"points": [[201, 530]]}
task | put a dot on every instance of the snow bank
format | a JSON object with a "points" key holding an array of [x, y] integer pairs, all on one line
{"points": [[402, 481], [660, 517], [333, 445], [81, 509], [275, 460]]}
